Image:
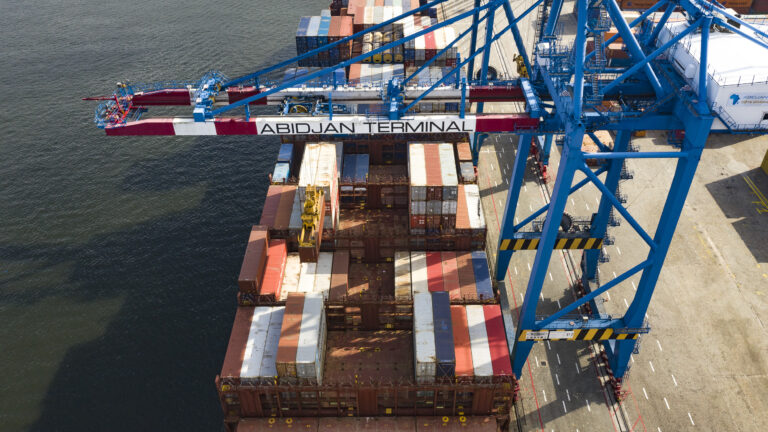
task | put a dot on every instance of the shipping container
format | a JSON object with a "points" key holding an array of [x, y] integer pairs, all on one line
{"points": [[466, 272], [254, 260], [497, 340], [271, 204], [323, 274], [291, 277], [281, 174], [307, 278], [283, 217], [419, 276], [451, 275], [445, 356], [434, 271], [289, 336], [482, 275], [461, 341], [478, 336], [310, 349], [423, 338], [274, 272]]}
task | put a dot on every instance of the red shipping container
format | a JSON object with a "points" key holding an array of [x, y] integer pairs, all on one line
{"points": [[283, 218], [429, 42], [451, 275], [434, 175], [254, 261], [462, 214], [466, 276], [289, 335], [418, 221], [238, 339], [271, 204], [760, 6], [464, 367], [497, 340], [339, 275], [273, 274], [435, 272]]}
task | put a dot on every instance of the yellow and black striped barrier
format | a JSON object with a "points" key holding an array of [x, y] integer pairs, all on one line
{"points": [[574, 335], [561, 243]]}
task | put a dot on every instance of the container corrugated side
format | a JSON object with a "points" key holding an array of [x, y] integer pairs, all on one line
{"points": [[497, 340], [467, 170], [463, 152], [434, 172], [271, 204], [286, 153], [295, 221], [273, 273], [233, 359], [291, 276], [289, 336], [465, 371], [268, 371], [434, 271], [323, 274], [309, 349], [284, 209], [466, 276], [481, 352], [254, 260], [451, 275], [423, 338], [281, 173], [402, 275], [307, 278], [419, 277], [445, 357], [253, 353], [482, 275]]}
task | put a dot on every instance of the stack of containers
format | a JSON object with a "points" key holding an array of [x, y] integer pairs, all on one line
{"points": [[291, 276], [463, 275], [423, 321], [272, 282], [445, 356], [254, 262], [364, 74], [277, 210], [253, 344], [318, 168], [466, 167], [301, 349], [470, 222], [433, 188]]}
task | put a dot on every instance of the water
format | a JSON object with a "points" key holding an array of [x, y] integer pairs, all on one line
{"points": [[118, 256]]}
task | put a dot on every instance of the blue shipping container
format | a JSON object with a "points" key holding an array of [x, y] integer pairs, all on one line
{"points": [[482, 275], [361, 168], [281, 173], [348, 172], [286, 153], [445, 353]]}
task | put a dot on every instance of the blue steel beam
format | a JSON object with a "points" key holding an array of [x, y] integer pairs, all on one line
{"points": [[486, 54], [508, 221], [516, 32], [659, 25], [579, 48], [634, 22], [569, 163], [600, 221], [554, 16], [703, 59], [632, 44], [473, 41]]}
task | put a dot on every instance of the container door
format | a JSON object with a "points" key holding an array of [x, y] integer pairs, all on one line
{"points": [[367, 403]]}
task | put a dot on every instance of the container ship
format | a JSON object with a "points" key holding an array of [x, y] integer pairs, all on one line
{"points": [[365, 296]]}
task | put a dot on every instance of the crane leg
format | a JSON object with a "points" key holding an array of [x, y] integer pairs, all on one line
{"points": [[513, 196]]}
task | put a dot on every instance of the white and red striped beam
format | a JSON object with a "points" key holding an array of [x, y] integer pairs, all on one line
{"points": [[341, 124]]}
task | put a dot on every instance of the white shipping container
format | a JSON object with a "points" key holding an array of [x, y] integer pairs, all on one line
{"points": [[478, 337], [474, 207], [419, 207], [318, 168], [269, 361], [291, 276], [417, 172], [419, 279], [307, 351], [314, 26], [307, 278], [257, 339], [424, 338], [402, 275], [323, 273], [467, 171]]}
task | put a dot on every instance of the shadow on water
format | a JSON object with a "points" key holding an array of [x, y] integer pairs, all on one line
{"points": [[153, 367]]}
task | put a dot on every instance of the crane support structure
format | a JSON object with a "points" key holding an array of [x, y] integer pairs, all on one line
{"points": [[568, 82]]}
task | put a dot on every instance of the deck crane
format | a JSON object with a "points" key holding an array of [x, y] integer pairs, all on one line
{"points": [[562, 95]]}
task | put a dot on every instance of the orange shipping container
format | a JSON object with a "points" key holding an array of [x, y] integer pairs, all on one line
{"points": [[464, 368], [289, 335], [254, 261]]}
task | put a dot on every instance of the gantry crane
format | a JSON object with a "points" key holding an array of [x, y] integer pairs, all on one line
{"points": [[563, 90]]}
